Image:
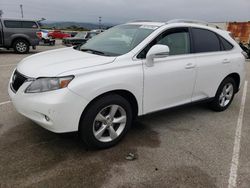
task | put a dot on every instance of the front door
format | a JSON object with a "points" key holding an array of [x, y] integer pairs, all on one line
{"points": [[170, 82]]}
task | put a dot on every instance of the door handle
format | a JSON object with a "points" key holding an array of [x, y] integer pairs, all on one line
{"points": [[190, 66], [225, 61]]}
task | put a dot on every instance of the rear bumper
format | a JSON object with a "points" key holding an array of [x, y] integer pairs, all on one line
{"points": [[58, 111]]}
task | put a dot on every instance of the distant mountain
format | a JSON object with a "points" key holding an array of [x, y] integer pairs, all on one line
{"points": [[64, 25]]}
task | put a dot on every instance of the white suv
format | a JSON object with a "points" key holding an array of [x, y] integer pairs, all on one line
{"points": [[127, 71]]}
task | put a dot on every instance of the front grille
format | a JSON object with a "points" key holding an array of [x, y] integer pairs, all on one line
{"points": [[17, 80]]}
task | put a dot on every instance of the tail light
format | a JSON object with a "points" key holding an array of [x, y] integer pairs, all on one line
{"points": [[39, 35]]}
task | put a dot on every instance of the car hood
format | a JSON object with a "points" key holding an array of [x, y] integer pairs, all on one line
{"points": [[55, 62]]}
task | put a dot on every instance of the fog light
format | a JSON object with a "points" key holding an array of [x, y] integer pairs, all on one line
{"points": [[47, 118]]}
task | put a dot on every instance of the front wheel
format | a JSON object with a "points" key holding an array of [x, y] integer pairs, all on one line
{"points": [[224, 95], [105, 122]]}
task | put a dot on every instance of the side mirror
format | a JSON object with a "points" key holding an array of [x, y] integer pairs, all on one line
{"points": [[156, 51]]}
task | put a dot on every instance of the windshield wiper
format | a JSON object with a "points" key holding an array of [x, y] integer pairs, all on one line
{"points": [[93, 51]]}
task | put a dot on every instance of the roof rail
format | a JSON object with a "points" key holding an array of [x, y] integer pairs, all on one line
{"points": [[192, 21], [132, 21]]}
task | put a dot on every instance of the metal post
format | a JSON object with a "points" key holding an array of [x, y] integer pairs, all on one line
{"points": [[100, 22], [21, 7]]}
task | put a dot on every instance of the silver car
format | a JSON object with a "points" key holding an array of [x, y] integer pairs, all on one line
{"points": [[19, 34]]}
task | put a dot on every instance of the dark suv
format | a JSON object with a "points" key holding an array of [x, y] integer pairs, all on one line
{"points": [[19, 34]]}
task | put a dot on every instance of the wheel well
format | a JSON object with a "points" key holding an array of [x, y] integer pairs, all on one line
{"points": [[236, 78], [124, 93], [19, 38]]}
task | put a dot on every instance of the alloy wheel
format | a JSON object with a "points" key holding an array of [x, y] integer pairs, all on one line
{"points": [[109, 123], [226, 95]]}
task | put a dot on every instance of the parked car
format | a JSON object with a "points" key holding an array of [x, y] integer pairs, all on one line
{"points": [[80, 38], [45, 37], [129, 70], [76, 40], [19, 34], [74, 33], [93, 33], [57, 34]]}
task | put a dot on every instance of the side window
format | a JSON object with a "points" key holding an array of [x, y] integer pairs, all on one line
{"points": [[225, 44], [205, 41], [12, 24], [20, 24], [29, 24], [177, 40]]}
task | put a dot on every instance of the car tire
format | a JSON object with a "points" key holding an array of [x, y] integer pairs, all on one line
{"points": [[224, 95], [21, 46], [105, 122]]}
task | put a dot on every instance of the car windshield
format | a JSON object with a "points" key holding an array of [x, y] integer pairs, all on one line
{"points": [[118, 40], [80, 35]]}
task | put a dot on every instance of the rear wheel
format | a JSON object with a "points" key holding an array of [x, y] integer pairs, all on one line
{"points": [[21, 46], [224, 95], [105, 122]]}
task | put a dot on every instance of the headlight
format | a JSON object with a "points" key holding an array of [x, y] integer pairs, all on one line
{"points": [[48, 84]]}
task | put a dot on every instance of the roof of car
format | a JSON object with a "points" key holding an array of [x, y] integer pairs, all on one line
{"points": [[19, 19]]}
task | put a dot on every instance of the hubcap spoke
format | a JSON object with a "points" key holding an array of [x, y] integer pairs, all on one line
{"points": [[221, 96], [223, 101], [229, 89], [121, 119], [112, 133], [100, 118], [100, 132], [113, 111]]}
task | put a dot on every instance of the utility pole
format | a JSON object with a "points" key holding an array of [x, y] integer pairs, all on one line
{"points": [[21, 7], [1, 13], [100, 22]]}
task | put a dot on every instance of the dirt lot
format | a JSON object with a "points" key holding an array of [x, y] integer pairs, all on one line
{"points": [[184, 147]]}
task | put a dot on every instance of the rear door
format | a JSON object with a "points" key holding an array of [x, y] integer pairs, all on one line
{"points": [[212, 60]]}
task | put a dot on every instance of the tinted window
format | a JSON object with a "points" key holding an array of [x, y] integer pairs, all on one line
{"points": [[29, 24], [225, 44], [13, 24], [20, 24], [177, 40], [205, 41]]}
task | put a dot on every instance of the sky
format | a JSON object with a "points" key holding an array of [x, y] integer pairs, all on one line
{"points": [[120, 11]]}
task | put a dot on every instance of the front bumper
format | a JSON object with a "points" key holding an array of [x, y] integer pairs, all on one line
{"points": [[58, 111]]}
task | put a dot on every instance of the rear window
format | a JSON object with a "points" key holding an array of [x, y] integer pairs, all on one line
{"points": [[20, 24], [225, 44]]}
